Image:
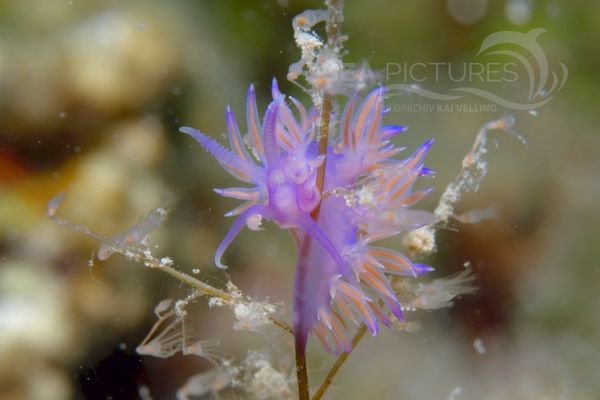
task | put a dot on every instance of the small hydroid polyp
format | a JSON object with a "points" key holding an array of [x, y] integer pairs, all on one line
{"points": [[342, 276]]}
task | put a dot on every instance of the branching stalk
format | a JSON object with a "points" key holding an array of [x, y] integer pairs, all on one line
{"points": [[144, 257], [360, 333], [334, 45]]}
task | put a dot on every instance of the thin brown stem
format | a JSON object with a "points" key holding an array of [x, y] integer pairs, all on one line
{"points": [[140, 255], [210, 290], [300, 335], [283, 325], [302, 373], [334, 42], [323, 142], [360, 333], [193, 282]]}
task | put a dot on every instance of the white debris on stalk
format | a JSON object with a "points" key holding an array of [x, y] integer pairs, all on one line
{"points": [[215, 302], [320, 61], [474, 168], [252, 315], [166, 261], [307, 40], [472, 172]]}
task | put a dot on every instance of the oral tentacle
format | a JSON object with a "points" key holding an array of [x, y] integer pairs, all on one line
{"points": [[236, 228]]}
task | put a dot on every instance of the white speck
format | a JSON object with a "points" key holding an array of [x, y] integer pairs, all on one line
{"points": [[168, 261], [467, 264], [122, 346], [161, 211], [241, 310], [478, 346], [215, 302], [195, 271], [457, 391], [533, 113]]}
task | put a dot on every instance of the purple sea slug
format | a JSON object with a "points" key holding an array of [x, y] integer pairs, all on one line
{"points": [[342, 277]]}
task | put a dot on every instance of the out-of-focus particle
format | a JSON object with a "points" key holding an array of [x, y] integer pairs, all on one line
{"points": [[478, 346]]}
